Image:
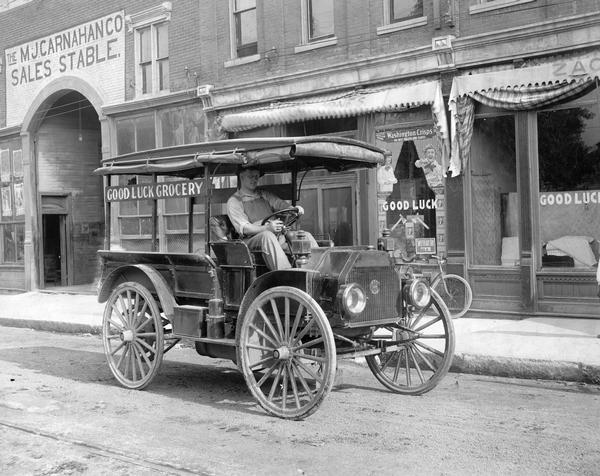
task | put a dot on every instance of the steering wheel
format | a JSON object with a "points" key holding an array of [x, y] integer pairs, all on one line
{"points": [[288, 216]]}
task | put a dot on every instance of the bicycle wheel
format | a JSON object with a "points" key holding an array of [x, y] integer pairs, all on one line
{"points": [[455, 292]]}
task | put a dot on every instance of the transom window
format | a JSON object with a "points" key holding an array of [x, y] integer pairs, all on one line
{"points": [[244, 30]]}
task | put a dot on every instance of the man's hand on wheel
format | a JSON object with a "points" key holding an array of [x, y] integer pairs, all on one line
{"points": [[276, 225]]}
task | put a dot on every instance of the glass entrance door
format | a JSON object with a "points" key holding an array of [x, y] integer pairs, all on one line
{"points": [[330, 212]]}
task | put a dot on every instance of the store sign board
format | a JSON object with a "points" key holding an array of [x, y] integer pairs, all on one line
{"points": [[153, 191], [93, 51], [409, 133], [411, 205], [580, 197], [425, 246]]}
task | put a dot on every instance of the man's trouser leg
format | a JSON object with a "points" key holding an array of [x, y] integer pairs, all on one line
{"points": [[267, 243]]}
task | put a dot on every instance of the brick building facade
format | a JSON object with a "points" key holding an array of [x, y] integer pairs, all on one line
{"points": [[411, 76]]}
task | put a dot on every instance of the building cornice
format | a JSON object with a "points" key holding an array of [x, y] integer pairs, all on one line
{"points": [[468, 51], [417, 62], [471, 51], [10, 131]]}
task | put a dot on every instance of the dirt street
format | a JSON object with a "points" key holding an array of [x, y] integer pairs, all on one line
{"points": [[61, 412]]}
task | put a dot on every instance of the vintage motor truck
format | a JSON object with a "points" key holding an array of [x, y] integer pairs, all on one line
{"points": [[286, 329]]}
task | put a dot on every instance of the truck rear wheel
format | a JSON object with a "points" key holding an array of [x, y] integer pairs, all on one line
{"points": [[132, 334]]}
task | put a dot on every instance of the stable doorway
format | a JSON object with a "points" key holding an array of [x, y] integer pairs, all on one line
{"points": [[55, 250]]}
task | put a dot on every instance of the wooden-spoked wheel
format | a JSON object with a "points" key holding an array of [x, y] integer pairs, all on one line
{"points": [[286, 352], [132, 334], [422, 347]]}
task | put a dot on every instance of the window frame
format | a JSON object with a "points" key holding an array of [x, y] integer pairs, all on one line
{"points": [[389, 25], [489, 113], [482, 6], [154, 62], [234, 35], [536, 238], [320, 184], [151, 17], [306, 42], [13, 220]]}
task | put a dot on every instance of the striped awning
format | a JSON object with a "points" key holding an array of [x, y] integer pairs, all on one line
{"points": [[534, 79], [343, 104], [516, 89]]}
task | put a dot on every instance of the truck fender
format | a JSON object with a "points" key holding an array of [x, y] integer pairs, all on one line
{"points": [[302, 279], [144, 275]]}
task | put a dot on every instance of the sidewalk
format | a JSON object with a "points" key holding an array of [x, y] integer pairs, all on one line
{"points": [[545, 348]]}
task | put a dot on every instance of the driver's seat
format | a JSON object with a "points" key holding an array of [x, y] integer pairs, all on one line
{"points": [[221, 229]]}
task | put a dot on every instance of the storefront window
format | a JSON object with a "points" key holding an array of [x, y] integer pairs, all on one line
{"points": [[135, 216], [182, 125], [136, 133], [569, 181], [493, 195], [411, 192], [12, 214]]}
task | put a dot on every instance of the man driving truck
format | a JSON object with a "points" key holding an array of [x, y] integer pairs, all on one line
{"points": [[248, 207]]}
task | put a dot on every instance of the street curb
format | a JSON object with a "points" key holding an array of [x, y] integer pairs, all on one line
{"points": [[525, 368], [476, 364], [51, 326]]}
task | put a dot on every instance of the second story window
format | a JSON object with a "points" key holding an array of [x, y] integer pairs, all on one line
{"points": [[401, 10], [153, 58], [244, 31], [319, 19]]}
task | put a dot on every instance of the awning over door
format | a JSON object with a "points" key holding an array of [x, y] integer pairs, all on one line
{"points": [[516, 89], [345, 104]]}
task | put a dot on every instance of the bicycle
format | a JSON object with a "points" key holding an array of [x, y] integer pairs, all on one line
{"points": [[454, 290]]}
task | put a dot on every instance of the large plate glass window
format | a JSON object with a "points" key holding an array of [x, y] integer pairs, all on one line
{"points": [[569, 184], [493, 192], [411, 186]]}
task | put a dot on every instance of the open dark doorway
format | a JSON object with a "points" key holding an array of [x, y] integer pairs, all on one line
{"points": [[55, 250], [68, 149]]}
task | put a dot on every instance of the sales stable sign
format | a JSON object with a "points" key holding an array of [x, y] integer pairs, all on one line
{"points": [[93, 52]]}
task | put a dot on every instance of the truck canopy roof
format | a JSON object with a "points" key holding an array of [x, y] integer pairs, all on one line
{"points": [[272, 155]]}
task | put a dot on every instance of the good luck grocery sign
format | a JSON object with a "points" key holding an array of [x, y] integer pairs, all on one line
{"points": [[93, 51]]}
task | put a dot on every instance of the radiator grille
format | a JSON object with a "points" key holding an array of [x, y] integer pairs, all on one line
{"points": [[381, 307]]}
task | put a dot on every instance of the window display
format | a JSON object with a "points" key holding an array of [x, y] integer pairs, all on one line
{"points": [[12, 206], [494, 200], [569, 184], [411, 189]]}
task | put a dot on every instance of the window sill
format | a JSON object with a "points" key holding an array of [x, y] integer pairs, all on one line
{"points": [[401, 25], [316, 45], [141, 96], [243, 60], [496, 5]]}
